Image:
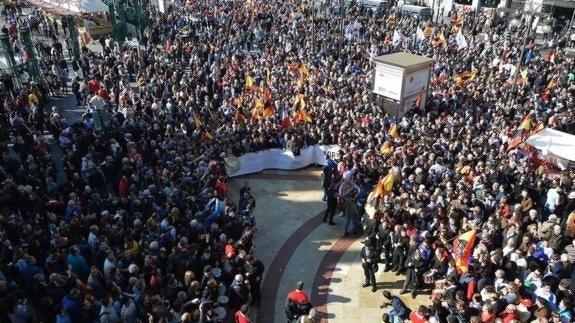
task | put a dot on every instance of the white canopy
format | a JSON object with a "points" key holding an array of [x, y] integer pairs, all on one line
{"points": [[91, 6], [554, 143]]}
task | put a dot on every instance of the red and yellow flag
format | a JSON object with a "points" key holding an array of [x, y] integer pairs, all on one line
{"points": [[197, 121], [538, 128], [299, 100], [384, 187], [206, 135], [551, 84], [300, 116], [386, 148], [420, 97], [387, 184], [258, 108], [526, 123], [393, 131], [249, 82], [462, 248], [463, 78], [440, 39], [457, 26], [239, 117], [268, 109]]}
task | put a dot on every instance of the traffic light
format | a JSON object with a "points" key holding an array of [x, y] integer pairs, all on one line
{"points": [[464, 2], [490, 3]]}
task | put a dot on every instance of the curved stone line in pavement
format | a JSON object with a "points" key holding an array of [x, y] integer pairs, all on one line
{"points": [[322, 280], [272, 280]]}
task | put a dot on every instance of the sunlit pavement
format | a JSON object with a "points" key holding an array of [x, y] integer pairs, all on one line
{"points": [[295, 244]]}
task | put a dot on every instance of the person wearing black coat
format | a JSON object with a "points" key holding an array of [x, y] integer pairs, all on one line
{"points": [[384, 235], [331, 198], [439, 263], [416, 266], [369, 258], [400, 244]]}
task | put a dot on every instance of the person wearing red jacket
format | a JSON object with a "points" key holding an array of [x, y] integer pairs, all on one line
{"points": [[123, 187], [419, 316], [510, 314], [297, 303], [241, 315]]}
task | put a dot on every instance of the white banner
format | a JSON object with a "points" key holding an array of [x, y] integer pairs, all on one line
{"points": [[278, 159]]}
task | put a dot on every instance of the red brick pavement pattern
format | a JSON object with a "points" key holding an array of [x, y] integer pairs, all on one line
{"points": [[272, 280], [320, 289]]}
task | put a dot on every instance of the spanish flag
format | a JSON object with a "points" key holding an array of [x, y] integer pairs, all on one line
{"points": [[255, 113], [301, 115], [457, 26], [419, 100], [258, 109], [299, 100], [462, 249], [526, 123], [197, 121], [387, 184], [239, 117], [516, 141], [539, 127], [551, 84], [207, 135], [463, 78], [268, 108], [384, 187], [386, 148], [303, 72], [438, 40], [393, 131], [249, 82]]}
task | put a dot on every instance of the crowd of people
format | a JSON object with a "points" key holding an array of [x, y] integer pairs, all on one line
{"points": [[144, 228]]}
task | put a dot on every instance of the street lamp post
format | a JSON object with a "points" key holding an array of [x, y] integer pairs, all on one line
{"points": [[516, 22]]}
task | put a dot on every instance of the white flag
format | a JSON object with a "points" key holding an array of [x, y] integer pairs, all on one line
{"points": [[460, 40], [419, 34], [396, 39]]}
